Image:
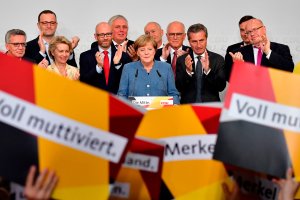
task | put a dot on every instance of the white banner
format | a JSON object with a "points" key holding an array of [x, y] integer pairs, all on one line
{"points": [[121, 190], [57, 128], [265, 112], [142, 162], [192, 147]]}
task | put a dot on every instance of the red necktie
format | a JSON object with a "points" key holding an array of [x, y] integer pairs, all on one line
{"points": [[174, 62], [106, 66], [259, 57]]}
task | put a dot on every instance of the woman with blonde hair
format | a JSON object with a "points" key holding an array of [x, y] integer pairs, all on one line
{"points": [[147, 77], [60, 49]]}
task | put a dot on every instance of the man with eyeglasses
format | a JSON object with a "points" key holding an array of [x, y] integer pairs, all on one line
{"points": [[119, 25], [37, 49], [262, 51], [174, 48], [15, 43], [102, 65], [245, 41]]}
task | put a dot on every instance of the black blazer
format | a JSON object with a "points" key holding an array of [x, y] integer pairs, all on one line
{"points": [[32, 52], [280, 58], [212, 84], [228, 65], [129, 43], [159, 53], [89, 75]]}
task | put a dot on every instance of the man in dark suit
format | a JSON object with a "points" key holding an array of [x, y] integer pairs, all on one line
{"points": [[174, 48], [245, 41], [37, 49], [93, 70], [200, 74], [262, 51], [119, 25]]}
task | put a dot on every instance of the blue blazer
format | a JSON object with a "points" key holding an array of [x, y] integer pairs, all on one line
{"points": [[135, 81]]}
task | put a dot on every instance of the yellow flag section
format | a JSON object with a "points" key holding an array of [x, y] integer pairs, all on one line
{"points": [[188, 170], [81, 175], [283, 84]]}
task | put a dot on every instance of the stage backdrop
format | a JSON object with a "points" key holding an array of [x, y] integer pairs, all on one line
{"points": [[220, 17]]}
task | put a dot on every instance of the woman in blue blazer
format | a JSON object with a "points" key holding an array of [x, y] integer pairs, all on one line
{"points": [[147, 77]]}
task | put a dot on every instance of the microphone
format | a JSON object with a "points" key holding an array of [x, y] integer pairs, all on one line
{"points": [[158, 73], [136, 75], [162, 79]]}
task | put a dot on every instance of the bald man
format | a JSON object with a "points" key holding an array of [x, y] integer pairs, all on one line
{"points": [[274, 55], [92, 62]]}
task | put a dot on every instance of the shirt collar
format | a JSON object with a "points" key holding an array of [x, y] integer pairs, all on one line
{"points": [[173, 50], [101, 50], [195, 55], [117, 43]]}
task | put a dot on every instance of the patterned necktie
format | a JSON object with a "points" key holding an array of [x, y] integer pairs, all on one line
{"points": [[259, 57], [106, 66], [198, 80], [174, 63]]}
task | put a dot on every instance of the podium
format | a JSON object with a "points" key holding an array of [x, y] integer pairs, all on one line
{"points": [[152, 102]]}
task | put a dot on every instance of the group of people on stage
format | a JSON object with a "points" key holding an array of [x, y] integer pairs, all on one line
{"points": [[147, 67], [191, 74]]}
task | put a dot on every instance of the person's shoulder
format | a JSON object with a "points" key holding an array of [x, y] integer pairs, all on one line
{"points": [[88, 52], [132, 65], [184, 47], [28, 59], [215, 55], [72, 67], [130, 42], [276, 44], [32, 42], [234, 47], [162, 66], [161, 63]]}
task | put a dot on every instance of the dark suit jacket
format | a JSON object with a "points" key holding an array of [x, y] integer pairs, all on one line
{"points": [[280, 58], [159, 53], [32, 52], [228, 66], [129, 43], [212, 84], [89, 75]]}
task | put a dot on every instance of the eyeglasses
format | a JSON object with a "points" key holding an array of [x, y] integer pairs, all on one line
{"points": [[253, 30], [45, 23], [102, 35], [177, 34], [18, 44]]}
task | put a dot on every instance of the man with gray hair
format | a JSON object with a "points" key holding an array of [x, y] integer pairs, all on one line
{"points": [[119, 25], [15, 43], [174, 48], [200, 74], [154, 30]]}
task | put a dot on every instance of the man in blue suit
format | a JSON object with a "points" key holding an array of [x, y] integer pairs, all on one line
{"points": [[93, 69]]}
